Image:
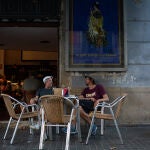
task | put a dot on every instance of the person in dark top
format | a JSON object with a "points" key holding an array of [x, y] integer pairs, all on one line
{"points": [[94, 92], [47, 90], [89, 98]]}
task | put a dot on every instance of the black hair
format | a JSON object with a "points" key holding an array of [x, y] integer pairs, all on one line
{"points": [[91, 79]]}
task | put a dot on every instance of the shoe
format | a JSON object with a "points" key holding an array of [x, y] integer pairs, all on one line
{"points": [[72, 131], [94, 129], [35, 126]]}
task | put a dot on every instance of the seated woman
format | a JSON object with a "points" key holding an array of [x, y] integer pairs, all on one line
{"points": [[89, 98]]}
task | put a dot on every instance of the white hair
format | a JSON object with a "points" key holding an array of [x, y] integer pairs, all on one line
{"points": [[47, 77]]}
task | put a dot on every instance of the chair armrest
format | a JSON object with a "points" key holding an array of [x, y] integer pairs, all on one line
{"points": [[102, 104], [70, 101], [117, 100], [32, 106], [77, 102], [112, 104], [18, 102], [15, 104]]}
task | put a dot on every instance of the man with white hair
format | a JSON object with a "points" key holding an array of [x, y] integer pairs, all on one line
{"points": [[47, 90]]}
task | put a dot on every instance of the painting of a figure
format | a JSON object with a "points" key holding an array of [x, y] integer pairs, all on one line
{"points": [[96, 33], [96, 38]]}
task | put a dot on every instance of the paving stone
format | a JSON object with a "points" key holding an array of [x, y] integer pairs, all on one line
{"points": [[135, 138]]}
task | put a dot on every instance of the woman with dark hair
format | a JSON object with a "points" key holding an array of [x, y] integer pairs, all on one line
{"points": [[89, 98], [91, 79]]}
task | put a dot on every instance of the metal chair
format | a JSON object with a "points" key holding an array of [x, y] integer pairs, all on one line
{"points": [[11, 104], [75, 100], [53, 115], [118, 102], [58, 92]]}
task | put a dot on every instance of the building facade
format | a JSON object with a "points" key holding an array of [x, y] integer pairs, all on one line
{"points": [[136, 80]]}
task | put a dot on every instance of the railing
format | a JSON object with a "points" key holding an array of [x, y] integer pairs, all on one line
{"points": [[29, 10]]}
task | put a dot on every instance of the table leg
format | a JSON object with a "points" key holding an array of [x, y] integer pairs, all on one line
{"points": [[78, 124], [50, 133]]}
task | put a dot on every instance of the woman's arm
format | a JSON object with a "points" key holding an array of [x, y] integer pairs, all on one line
{"points": [[104, 99], [81, 97]]}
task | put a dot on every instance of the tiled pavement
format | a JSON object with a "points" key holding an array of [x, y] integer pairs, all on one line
{"points": [[135, 138]]}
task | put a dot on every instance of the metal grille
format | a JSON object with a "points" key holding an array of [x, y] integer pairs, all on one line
{"points": [[28, 10]]}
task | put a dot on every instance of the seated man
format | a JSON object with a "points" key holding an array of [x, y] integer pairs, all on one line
{"points": [[89, 98], [47, 90]]}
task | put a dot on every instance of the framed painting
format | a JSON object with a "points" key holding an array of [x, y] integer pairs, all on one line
{"points": [[95, 36]]}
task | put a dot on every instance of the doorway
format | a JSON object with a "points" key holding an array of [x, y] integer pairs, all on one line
{"points": [[29, 50]]}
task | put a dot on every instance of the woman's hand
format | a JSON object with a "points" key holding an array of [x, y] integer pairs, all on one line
{"points": [[97, 102]]}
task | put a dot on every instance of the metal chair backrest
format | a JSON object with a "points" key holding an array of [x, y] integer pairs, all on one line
{"points": [[58, 91], [53, 108], [119, 104], [9, 105]]}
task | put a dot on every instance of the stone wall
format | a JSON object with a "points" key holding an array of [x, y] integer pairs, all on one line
{"points": [[136, 81]]}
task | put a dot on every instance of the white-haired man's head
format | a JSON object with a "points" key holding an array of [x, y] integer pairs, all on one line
{"points": [[48, 81]]}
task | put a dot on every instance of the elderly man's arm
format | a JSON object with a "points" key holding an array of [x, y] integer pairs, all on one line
{"points": [[34, 100]]}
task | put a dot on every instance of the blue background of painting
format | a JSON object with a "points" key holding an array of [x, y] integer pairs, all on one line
{"points": [[81, 45]]}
